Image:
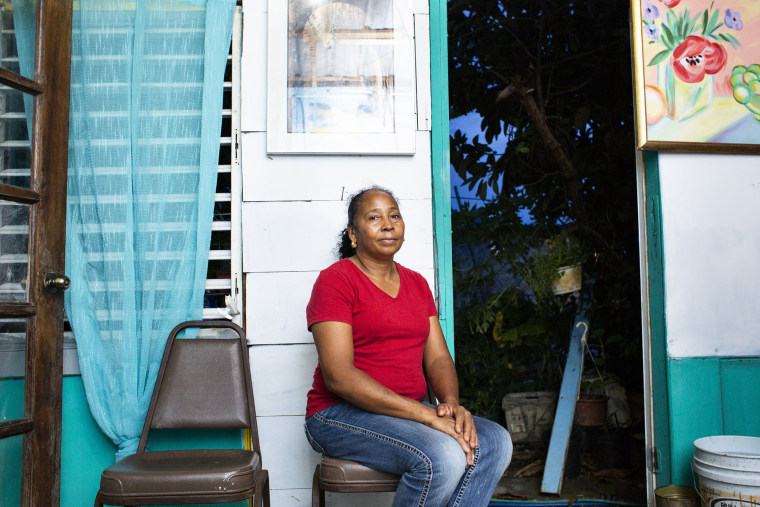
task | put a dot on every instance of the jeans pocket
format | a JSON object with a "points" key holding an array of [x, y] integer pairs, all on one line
{"points": [[312, 442]]}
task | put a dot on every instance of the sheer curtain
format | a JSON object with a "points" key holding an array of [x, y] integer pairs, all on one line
{"points": [[146, 103]]}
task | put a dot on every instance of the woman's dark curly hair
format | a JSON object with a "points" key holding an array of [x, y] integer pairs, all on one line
{"points": [[345, 250]]}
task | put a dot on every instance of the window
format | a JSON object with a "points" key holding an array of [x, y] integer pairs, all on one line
{"points": [[224, 291], [341, 77], [224, 284]]}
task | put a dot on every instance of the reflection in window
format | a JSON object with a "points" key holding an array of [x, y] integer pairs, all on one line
{"points": [[341, 66]]}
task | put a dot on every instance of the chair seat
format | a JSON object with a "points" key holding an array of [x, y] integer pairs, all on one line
{"points": [[344, 475], [173, 474]]}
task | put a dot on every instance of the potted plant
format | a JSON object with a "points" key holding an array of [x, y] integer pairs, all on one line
{"points": [[556, 268], [591, 407]]}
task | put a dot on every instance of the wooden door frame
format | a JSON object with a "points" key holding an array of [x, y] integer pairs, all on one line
{"points": [[41, 425]]}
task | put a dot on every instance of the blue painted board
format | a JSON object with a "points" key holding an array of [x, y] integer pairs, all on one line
{"points": [[563, 421]]}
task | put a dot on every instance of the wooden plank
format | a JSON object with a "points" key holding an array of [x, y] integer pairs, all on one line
{"points": [[17, 427], [280, 229], [19, 82], [17, 309], [18, 194], [659, 431], [276, 308], [41, 470], [422, 55], [285, 451], [441, 167], [319, 178], [563, 421], [282, 375]]}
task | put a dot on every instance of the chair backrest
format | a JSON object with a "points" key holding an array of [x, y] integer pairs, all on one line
{"points": [[203, 383]]}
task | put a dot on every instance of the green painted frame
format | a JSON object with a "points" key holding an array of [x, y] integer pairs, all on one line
{"points": [[656, 309], [441, 172]]}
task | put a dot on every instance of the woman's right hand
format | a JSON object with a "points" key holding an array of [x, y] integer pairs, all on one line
{"points": [[447, 424]]}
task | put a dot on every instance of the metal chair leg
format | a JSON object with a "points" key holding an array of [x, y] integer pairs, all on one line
{"points": [[317, 493]]}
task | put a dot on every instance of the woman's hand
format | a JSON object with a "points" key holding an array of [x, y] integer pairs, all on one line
{"points": [[442, 376], [464, 425], [447, 423]]}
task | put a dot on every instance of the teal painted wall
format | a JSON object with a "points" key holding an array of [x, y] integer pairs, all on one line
{"points": [[11, 407], [85, 450], [692, 397], [710, 396]]}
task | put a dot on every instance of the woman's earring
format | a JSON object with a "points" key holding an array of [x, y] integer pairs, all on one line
{"points": [[353, 244]]}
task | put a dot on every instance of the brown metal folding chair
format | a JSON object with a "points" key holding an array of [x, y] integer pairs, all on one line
{"points": [[202, 383], [346, 476]]}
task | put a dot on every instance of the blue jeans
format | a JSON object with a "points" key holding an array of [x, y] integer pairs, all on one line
{"points": [[432, 464]]}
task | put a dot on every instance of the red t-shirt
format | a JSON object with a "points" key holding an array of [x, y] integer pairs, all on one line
{"points": [[389, 333]]}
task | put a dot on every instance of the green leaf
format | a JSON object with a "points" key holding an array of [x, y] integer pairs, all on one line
{"points": [[693, 24], [704, 22], [684, 24], [671, 17], [711, 34], [667, 38], [730, 39], [712, 25], [660, 57]]}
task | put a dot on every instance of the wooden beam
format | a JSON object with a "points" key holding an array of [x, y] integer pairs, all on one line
{"points": [[15, 427], [19, 82], [17, 310], [554, 470], [18, 194], [43, 385]]}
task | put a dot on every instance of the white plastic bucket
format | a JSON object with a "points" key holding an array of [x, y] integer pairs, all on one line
{"points": [[529, 415], [728, 469]]}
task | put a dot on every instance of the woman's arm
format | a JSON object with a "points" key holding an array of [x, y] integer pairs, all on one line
{"points": [[442, 375], [335, 346]]}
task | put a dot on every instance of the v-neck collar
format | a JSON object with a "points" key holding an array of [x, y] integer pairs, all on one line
{"points": [[400, 281]]}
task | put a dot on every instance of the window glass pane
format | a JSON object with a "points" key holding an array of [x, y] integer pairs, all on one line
{"points": [[15, 147], [341, 66], [10, 470], [12, 368], [17, 39], [14, 251]]}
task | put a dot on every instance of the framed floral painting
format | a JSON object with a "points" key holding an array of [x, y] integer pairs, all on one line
{"points": [[697, 74]]}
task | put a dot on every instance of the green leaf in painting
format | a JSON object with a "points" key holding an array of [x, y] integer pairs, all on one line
{"points": [[667, 37], [671, 17], [693, 27], [713, 24], [660, 57], [730, 39]]}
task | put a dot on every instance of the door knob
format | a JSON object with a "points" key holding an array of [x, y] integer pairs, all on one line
{"points": [[55, 282]]}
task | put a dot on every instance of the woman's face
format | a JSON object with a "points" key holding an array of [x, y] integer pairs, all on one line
{"points": [[379, 228]]}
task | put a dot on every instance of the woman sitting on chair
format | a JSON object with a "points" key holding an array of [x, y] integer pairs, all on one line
{"points": [[376, 329]]}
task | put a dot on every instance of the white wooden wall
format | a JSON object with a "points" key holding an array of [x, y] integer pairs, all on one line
{"points": [[711, 239], [293, 210]]}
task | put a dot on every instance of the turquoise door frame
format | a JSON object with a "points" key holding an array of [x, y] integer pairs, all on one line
{"points": [[659, 458], [439, 81], [692, 397]]}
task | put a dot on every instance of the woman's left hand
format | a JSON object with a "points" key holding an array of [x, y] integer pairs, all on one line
{"points": [[464, 423]]}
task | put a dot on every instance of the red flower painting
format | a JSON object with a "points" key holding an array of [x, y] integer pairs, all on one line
{"points": [[695, 57]]}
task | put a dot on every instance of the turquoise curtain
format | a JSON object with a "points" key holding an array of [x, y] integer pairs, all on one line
{"points": [[25, 28], [146, 103]]}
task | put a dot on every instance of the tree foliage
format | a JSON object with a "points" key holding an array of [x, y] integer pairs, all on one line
{"points": [[553, 78]]}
